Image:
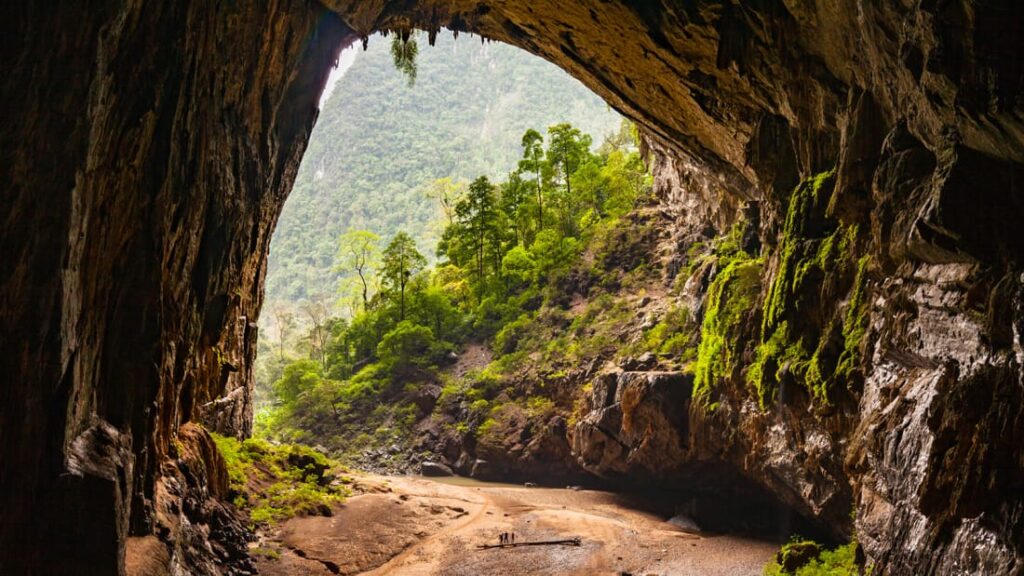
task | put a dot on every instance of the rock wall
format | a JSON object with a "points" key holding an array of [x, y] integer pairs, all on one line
{"points": [[148, 148]]}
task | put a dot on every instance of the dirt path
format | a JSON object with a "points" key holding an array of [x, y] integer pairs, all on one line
{"points": [[475, 356], [426, 527]]}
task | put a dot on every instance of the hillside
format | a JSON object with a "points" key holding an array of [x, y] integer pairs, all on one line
{"points": [[379, 142]]}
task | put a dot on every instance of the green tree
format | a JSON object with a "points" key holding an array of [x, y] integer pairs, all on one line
{"points": [[401, 261], [298, 377], [284, 322], [447, 193], [533, 163], [406, 346], [359, 252], [568, 149], [514, 203], [318, 311], [477, 215]]}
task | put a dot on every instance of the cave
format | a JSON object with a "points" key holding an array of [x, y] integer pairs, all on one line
{"points": [[147, 150]]}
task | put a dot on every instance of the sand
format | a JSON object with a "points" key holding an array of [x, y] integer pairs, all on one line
{"points": [[420, 526]]}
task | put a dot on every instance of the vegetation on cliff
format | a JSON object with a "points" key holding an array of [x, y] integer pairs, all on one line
{"points": [[274, 482], [731, 300], [801, 557], [816, 258], [508, 254]]}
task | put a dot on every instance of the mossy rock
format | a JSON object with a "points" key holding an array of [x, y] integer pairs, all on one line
{"points": [[796, 555]]}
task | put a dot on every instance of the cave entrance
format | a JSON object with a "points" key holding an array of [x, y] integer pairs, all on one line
{"points": [[395, 152], [148, 186], [382, 139]]}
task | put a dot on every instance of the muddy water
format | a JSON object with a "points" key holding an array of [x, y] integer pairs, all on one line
{"points": [[465, 482]]}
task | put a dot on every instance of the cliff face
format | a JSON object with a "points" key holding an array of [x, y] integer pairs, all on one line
{"points": [[147, 151]]}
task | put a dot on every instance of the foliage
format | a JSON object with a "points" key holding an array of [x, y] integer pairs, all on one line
{"points": [[404, 50], [406, 346], [378, 147], [359, 252], [811, 559], [504, 274], [672, 335], [276, 482], [401, 260]]}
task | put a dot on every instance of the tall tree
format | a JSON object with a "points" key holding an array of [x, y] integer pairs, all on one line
{"points": [[567, 149], [318, 311], [359, 252], [532, 162], [401, 261], [477, 215], [284, 321], [513, 202], [447, 193]]}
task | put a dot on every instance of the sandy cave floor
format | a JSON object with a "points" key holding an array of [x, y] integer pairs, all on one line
{"points": [[412, 525]]}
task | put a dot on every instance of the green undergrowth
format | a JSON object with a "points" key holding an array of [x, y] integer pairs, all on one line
{"points": [[731, 297], [272, 483], [673, 335], [817, 260], [808, 558]]}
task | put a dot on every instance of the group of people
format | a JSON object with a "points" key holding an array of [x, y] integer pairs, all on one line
{"points": [[506, 538]]}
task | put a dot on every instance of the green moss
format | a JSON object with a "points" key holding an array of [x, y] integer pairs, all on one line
{"points": [[772, 356], [816, 255], [238, 462], [269, 553], [731, 297], [275, 482], [807, 558], [673, 335], [855, 324], [806, 204]]}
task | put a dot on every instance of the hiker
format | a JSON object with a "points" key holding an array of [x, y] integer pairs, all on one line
{"points": [[513, 537]]}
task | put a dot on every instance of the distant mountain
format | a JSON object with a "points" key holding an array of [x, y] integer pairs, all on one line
{"points": [[379, 142]]}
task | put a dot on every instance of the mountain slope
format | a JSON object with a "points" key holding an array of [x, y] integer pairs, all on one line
{"points": [[379, 142]]}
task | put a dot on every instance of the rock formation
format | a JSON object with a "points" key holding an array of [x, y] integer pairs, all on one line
{"points": [[147, 150]]}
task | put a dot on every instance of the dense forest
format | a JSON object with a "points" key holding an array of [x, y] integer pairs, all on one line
{"points": [[381, 141], [506, 251]]}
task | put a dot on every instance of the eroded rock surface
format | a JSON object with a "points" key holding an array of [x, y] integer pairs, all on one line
{"points": [[147, 150]]}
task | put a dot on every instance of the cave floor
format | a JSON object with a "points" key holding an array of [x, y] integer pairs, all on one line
{"points": [[411, 525]]}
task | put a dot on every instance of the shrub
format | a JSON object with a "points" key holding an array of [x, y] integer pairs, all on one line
{"points": [[509, 337], [406, 346], [808, 558], [276, 482]]}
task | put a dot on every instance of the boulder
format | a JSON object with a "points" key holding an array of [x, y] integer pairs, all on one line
{"points": [[435, 469], [684, 523], [481, 469]]}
